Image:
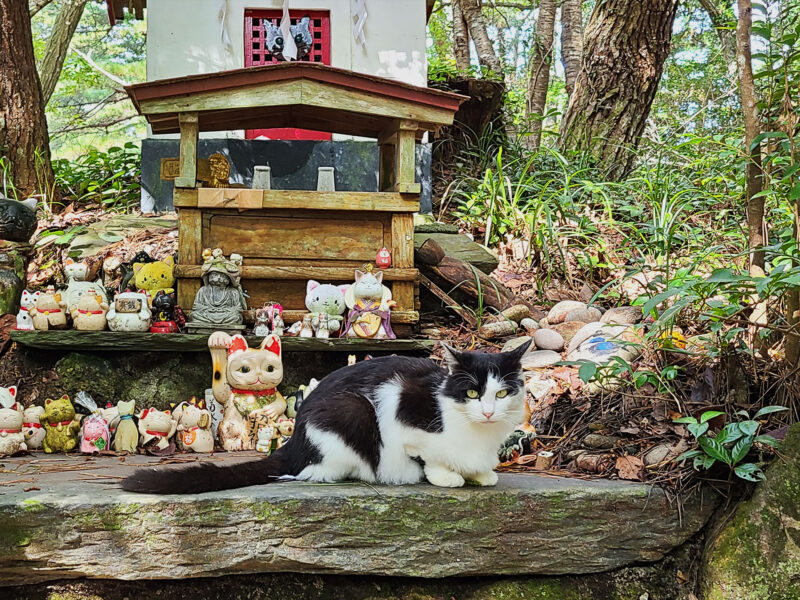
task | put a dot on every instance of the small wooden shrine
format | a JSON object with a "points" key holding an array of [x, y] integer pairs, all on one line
{"points": [[287, 237]]}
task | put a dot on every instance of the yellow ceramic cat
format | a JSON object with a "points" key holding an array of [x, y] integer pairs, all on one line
{"points": [[245, 381], [61, 425], [154, 276]]}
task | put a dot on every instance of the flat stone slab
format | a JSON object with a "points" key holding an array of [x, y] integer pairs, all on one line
{"points": [[64, 517]]}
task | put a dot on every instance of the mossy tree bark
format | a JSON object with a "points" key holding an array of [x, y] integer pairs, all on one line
{"points": [[540, 69], [626, 43], [571, 41], [58, 44], [24, 140]]}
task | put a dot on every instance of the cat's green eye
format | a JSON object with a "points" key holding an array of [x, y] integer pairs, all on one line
{"points": [[502, 393], [244, 369], [472, 393]]}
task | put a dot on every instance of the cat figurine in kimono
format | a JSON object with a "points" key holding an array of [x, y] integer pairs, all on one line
{"points": [[61, 425], [26, 303], [245, 382], [370, 303], [12, 438]]}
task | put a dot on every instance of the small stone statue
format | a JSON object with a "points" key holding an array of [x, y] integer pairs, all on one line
{"points": [[219, 303]]}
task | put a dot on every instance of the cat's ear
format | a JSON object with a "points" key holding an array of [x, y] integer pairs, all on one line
{"points": [[358, 275], [272, 343], [169, 261], [69, 261], [379, 277], [451, 357], [238, 344], [312, 285], [517, 353], [344, 288], [13, 391]]}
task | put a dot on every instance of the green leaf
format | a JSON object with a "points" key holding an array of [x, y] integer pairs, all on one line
{"points": [[767, 135], [710, 414], [688, 454], [740, 449], [698, 429], [730, 433], [768, 440], [704, 461], [658, 299], [714, 449], [769, 409], [586, 371], [749, 427], [685, 420], [749, 471]]}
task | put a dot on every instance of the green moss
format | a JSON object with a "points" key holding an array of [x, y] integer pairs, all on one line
{"points": [[87, 372]]}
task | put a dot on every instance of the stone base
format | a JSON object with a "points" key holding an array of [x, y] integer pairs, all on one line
{"points": [[64, 517]]}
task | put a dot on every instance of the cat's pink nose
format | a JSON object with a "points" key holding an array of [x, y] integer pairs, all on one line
{"points": [[488, 415]]}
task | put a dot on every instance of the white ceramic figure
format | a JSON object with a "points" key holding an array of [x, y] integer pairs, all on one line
{"points": [[12, 439], [75, 270], [129, 312], [194, 427], [326, 298], [370, 303], [156, 425], [48, 312], [306, 329], [32, 427], [75, 289], [27, 302], [266, 435], [90, 312], [321, 330]]}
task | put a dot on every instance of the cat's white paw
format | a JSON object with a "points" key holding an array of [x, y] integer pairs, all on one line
{"points": [[442, 477], [487, 478]]}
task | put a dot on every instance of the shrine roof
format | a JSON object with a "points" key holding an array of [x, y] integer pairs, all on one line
{"points": [[293, 94]]}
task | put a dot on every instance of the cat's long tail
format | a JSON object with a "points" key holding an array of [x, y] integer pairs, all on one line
{"points": [[205, 476]]}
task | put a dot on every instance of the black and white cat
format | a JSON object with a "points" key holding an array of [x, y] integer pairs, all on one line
{"points": [[392, 420]]}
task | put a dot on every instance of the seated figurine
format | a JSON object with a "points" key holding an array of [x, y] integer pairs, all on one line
{"points": [[219, 303]]}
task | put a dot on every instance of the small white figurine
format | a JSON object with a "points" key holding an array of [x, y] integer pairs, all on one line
{"points": [[27, 302], [129, 312], [321, 330], [306, 330], [266, 439]]}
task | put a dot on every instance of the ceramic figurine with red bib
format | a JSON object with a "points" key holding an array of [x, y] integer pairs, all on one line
{"points": [[194, 427], [12, 439], [156, 428], [245, 381]]}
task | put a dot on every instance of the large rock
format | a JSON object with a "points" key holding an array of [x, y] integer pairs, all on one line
{"points": [[756, 554], [461, 247], [78, 523]]}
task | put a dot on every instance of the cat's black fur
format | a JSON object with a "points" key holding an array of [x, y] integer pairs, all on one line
{"points": [[341, 404]]}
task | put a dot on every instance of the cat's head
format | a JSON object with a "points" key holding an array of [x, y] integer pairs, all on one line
{"points": [[28, 299], [325, 298], [8, 397], [77, 270], [486, 388], [59, 410], [255, 368]]}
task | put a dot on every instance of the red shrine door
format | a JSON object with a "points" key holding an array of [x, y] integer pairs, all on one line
{"points": [[256, 55]]}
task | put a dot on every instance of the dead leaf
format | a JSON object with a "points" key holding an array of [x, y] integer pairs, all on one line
{"points": [[629, 467], [630, 430], [681, 577]]}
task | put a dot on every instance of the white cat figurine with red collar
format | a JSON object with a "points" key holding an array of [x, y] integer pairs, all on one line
{"points": [[12, 440], [24, 321]]}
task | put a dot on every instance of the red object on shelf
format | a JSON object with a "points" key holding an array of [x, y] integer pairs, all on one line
{"points": [[164, 327], [383, 259], [257, 55]]}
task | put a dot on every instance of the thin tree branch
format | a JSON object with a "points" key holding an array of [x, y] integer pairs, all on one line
{"points": [[88, 60], [34, 6]]}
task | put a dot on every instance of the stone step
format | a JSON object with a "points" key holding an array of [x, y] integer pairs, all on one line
{"points": [[64, 517]]}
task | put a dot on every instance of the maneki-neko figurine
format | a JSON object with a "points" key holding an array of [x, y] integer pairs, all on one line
{"points": [[61, 425], [156, 429], [194, 426], [370, 303], [12, 437], [48, 312], [90, 312], [219, 303], [164, 310], [245, 382]]}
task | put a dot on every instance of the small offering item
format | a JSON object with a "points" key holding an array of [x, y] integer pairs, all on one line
{"points": [[48, 312], [156, 429], [370, 304], [321, 330], [61, 425], [219, 303], [32, 427], [267, 439], [75, 270], [129, 312], [269, 319], [383, 259], [94, 434], [126, 437], [194, 427], [12, 438], [27, 302], [76, 290], [90, 312], [306, 329]]}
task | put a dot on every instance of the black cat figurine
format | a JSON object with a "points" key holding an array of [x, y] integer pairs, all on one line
{"points": [[17, 219]]}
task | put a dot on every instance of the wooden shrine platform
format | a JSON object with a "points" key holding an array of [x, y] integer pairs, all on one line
{"points": [[65, 517], [88, 341]]}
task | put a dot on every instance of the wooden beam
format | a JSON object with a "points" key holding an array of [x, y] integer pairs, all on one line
{"points": [[138, 7], [188, 146], [449, 302], [403, 257], [244, 199], [194, 271], [190, 251], [386, 178], [406, 158]]}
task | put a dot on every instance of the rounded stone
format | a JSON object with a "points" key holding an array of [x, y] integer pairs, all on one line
{"points": [[560, 311], [568, 330], [516, 342], [586, 315], [622, 315], [548, 339], [600, 442], [529, 325], [539, 359]]}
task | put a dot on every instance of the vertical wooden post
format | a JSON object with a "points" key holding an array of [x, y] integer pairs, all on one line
{"points": [[190, 252], [188, 158], [386, 178], [403, 223], [406, 159]]}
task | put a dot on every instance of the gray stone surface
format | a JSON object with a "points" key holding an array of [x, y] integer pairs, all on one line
{"points": [[461, 247], [548, 339], [516, 343], [78, 523], [294, 165], [539, 359]]}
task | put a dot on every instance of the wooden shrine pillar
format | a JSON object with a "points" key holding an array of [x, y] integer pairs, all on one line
{"points": [[190, 220]]}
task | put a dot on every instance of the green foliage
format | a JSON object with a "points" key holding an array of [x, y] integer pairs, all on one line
{"points": [[110, 178], [731, 445]]}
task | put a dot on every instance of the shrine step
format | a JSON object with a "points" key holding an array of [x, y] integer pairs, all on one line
{"points": [[64, 517], [71, 339]]}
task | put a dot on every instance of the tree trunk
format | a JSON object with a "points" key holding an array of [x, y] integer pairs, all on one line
{"points": [[540, 69], [571, 41], [722, 17], [626, 43], [752, 127], [471, 9], [460, 38], [24, 141], [58, 44]]}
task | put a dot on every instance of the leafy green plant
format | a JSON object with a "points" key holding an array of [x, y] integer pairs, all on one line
{"points": [[731, 445]]}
